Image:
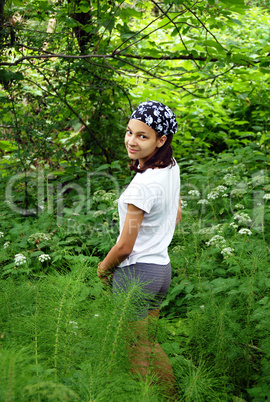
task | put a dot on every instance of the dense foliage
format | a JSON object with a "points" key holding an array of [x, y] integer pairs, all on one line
{"points": [[59, 323], [70, 73]]}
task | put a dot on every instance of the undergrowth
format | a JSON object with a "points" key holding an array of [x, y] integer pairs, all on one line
{"points": [[63, 336]]}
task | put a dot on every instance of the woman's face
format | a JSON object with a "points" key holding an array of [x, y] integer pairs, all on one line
{"points": [[141, 141]]}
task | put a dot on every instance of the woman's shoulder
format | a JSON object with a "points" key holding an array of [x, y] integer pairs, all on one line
{"points": [[173, 168], [157, 174]]}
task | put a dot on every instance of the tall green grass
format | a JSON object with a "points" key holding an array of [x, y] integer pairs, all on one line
{"points": [[63, 337]]}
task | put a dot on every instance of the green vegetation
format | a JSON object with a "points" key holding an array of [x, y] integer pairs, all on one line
{"points": [[70, 73]]}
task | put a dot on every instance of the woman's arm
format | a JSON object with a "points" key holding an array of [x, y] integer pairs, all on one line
{"points": [[179, 213], [121, 250]]}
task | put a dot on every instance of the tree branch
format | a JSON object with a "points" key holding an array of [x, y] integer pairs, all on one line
{"points": [[169, 18], [102, 56], [101, 37], [79, 117], [160, 78], [137, 33], [126, 55], [207, 30]]}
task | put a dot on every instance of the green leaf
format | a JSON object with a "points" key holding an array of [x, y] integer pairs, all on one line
{"points": [[7, 146], [240, 122], [233, 20], [103, 167], [18, 3], [108, 23], [238, 5], [125, 32], [44, 5], [266, 49], [177, 289], [177, 2], [213, 43], [8, 76], [37, 253], [84, 7]]}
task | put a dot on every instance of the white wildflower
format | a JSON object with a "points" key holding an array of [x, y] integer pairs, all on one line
{"points": [[38, 237], [217, 241], [195, 193], [210, 230], [203, 202], [44, 257], [98, 194], [230, 179], [225, 195], [266, 196], [202, 307], [227, 252], [213, 195], [245, 232], [184, 204], [206, 231], [102, 195], [219, 228], [238, 192], [20, 259], [1, 234], [234, 225], [241, 217], [73, 323], [74, 326], [109, 196], [239, 206], [220, 189], [178, 249], [98, 213], [6, 245]]}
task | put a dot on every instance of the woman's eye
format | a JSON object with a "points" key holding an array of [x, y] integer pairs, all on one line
{"points": [[129, 132], [143, 136]]}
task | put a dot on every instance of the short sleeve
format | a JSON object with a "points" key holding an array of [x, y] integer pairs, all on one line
{"points": [[140, 195]]}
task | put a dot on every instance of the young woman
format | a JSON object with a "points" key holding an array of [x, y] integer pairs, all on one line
{"points": [[149, 210]]}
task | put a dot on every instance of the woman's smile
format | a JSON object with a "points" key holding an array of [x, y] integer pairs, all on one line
{"points": [[131, 150]]}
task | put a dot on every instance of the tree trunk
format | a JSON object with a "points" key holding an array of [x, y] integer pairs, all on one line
{"points": [[2, 5], [85, 39]]}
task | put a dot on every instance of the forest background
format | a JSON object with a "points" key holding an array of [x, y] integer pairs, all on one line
{"points": [[71, 72]]}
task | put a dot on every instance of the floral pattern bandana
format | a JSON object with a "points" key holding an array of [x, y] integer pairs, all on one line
{"points": [[157, 116]]}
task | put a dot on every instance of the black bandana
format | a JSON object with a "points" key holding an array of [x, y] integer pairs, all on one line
{"points": [[157, 116]]}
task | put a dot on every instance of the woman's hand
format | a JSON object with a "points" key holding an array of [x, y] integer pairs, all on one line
{"points": [[104, 276]]}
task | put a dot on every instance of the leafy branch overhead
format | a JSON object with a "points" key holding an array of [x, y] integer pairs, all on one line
{"points": [[71, 72], [145, 38]]}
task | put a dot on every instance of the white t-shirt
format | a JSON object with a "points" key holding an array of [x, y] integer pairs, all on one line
{"points": [[156, 191]]}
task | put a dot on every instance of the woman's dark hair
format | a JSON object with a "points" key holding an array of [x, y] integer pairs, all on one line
{"points": [[162, 158]]}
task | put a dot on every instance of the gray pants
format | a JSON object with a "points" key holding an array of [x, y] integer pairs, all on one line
{"points": [[146, 285]]}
